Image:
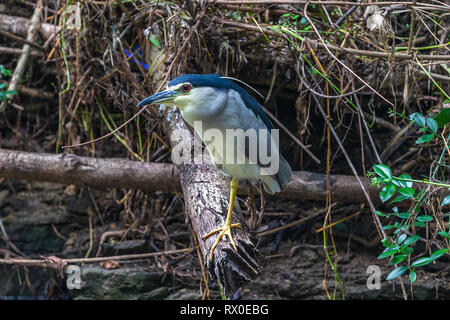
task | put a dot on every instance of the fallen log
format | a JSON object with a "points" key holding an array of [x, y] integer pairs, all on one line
{"points": [[94, 172], [149, 176]]}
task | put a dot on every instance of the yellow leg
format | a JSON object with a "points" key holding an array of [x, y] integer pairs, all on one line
{"points": [[226, 229]]}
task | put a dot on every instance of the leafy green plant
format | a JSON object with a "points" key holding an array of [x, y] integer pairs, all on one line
{"points": [[427, 125], [400, 246], [4, 93]]}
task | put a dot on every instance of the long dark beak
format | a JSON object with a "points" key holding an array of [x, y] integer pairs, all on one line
{"points": [[158, 98]]}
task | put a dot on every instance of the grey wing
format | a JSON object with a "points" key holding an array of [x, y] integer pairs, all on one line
{"points": [[275, 170]]}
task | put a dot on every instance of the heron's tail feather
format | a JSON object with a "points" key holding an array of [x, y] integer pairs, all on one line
{"points": [[270, 184], [284, 173], [276, 183]]}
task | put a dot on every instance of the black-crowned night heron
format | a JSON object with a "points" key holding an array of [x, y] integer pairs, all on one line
{"points": [[236, 131]]}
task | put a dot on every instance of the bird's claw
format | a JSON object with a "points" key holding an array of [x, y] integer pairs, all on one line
{"points": [[225, 230]]}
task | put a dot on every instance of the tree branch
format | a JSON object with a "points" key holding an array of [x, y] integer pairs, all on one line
{"points": [[93, 172], [122, 173], [20, 26]]}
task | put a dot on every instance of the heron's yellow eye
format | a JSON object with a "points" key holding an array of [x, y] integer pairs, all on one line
{"points": [[186, 88]]}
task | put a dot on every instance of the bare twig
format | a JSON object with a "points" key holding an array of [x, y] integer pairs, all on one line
{"points": [[355, 173], [8, 50], [339, 61], [351, 51], [52, 262], [35, 93], [17, 38]]}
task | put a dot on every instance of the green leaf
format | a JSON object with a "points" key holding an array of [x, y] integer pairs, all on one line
{"points": [[418, 118], [425, 138], [432, 124], [424, 218], [406, 183], [397, 272], [403, 215], [390, 226], [387, 192], [421, 262], [398, 183], [418, 224], [387, 243], [389, 252], [443, 117], [444, 234], [410, 240], [383, 171], [438, 253], [407, 250], [154, 41], [5, 72], [445, 201], [380, 214], [399, 198], [407, 192], [412, 276], [11, 92], [401, 238], [398, 258], [3, 85]]}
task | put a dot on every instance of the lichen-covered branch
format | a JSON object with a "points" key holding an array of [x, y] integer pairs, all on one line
{"points": [[205, 192]]}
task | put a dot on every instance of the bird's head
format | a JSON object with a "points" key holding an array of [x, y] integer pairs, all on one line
{"points": [[191, 90], [203, 96]]}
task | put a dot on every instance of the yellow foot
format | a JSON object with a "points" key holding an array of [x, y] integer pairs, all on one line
{"points": [[225, 230]]}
